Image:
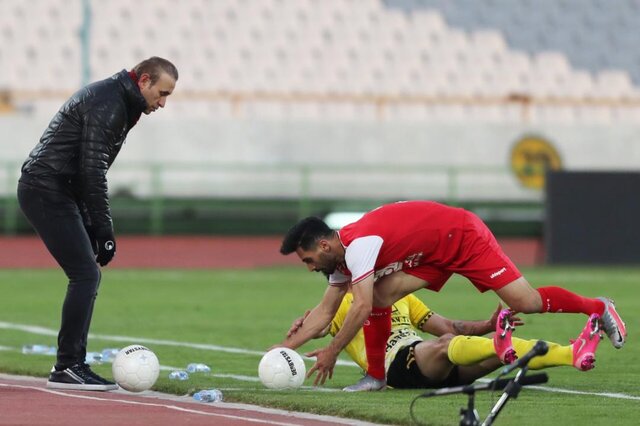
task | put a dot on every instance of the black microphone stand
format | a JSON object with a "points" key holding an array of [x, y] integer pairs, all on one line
{"points": [[510, 391], [469, 416]]}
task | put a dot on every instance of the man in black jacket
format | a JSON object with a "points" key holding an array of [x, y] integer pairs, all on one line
{"points": [[63, 193]]}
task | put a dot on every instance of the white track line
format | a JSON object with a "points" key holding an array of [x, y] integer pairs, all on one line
{"points": [[149, 404], [49, 332], [225, 405]]}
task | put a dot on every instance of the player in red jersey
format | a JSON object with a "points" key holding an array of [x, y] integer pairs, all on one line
{"points": [[399, 248]]}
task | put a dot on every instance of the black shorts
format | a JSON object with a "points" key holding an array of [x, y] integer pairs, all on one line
{"points": [[403, 373]]}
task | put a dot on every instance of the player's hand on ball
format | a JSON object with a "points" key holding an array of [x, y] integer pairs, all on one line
{"points": [[326, 359], [297, 323]]}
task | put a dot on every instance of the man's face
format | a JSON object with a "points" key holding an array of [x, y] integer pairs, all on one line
{"points": [[156, 94], [319, 259]]}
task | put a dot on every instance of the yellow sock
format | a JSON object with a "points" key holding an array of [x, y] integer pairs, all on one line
{"points": [[557, 355], [469, 350]]}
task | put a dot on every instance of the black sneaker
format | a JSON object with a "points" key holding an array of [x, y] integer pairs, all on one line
{"points": [[78, 377]]}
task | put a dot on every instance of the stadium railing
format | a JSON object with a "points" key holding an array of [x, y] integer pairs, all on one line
{"points": [[266, 198]]}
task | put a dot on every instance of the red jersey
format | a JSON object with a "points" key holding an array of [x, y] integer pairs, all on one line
{"points": [[432, 239], [409, 233]]}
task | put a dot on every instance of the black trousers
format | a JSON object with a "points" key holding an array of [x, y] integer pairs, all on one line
{"points": [[57, 220]]}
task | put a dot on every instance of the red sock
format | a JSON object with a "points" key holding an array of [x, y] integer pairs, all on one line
{"points": [[557, 299], [376, 332]]}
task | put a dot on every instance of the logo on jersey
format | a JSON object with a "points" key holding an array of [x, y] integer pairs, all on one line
{"points": [[411, 261]]}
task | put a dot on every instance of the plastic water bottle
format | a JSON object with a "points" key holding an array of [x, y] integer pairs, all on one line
{"points": [[93, 358], [38, 350], [198, 368], [208, 395], [109, 354], [179, 375]]}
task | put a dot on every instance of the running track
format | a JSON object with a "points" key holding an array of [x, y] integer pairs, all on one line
{"points": [[26, 401], [205, 252]]}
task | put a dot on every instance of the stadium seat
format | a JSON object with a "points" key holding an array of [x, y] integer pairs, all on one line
{"points": [[427, 48]]}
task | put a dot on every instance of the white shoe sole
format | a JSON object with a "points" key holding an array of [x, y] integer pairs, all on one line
{"points": [[80, 386]]}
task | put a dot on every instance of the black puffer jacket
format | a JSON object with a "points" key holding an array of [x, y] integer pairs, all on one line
{"points": [[82, 141]]}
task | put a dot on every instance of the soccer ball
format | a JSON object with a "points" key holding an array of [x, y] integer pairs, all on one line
{"points": [[282, 368], [135, 368]]}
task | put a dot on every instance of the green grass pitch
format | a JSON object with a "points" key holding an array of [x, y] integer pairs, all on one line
{"points": [[251, 310]]}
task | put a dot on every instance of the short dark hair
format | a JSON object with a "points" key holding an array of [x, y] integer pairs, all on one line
{"points": [[305, 234], [154, 66]]}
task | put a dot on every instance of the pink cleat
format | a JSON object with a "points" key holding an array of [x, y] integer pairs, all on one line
{"points": [[584, 347], [502, 337], [613, 324]]}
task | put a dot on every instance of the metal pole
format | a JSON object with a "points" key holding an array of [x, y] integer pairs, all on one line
{"points": [[304, 206], [157, 200], [11, 202], [85, 33]]}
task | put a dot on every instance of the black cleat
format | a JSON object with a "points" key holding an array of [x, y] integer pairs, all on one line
{"points": [[78, 377]]}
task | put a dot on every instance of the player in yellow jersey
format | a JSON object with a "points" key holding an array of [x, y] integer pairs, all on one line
{"points": [[459, 355]]}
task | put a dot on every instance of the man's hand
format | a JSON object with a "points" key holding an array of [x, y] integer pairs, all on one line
{"points": [[297, 323], [515, 320], [106, 242], [325, 362]]}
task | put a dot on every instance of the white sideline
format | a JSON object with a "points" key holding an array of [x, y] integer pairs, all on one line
{"points": [[295, 416], [49, 332], [33, 329]]}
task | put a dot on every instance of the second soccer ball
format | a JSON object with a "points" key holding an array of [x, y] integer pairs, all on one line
{"points": [[282, 368]]}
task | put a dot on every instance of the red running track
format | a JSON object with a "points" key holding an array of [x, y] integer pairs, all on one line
{"points": [[199, 252], [26, 401]]}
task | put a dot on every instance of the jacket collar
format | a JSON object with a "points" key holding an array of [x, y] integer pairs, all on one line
{"points": [[135, 101]]}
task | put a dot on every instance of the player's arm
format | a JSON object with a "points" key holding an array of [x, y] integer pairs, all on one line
{"points": [[318, 319], [360, 310], [357, 314], [439, 325], [297, 323], [360, 258]]}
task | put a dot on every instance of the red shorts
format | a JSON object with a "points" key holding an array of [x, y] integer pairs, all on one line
{"points": [[480, 259]]}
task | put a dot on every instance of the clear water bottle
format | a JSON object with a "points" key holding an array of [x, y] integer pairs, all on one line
{"points": [[198, 368], [38, 350], [179, 375], [208, 395], [109, 354], [93, 358]]}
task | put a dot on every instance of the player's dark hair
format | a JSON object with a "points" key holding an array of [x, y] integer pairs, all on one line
{"points": [[305, 234], [155, 66]]}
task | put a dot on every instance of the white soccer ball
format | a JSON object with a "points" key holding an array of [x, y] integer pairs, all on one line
{"points": [[282, 368], [135, 368]]}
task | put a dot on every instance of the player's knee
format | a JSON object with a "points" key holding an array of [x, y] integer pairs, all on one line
{"points": [[521, 297], [442, 345], [529, 305]]}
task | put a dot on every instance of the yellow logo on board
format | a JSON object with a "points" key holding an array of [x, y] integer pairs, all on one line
{"points": [[531, 157]]}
